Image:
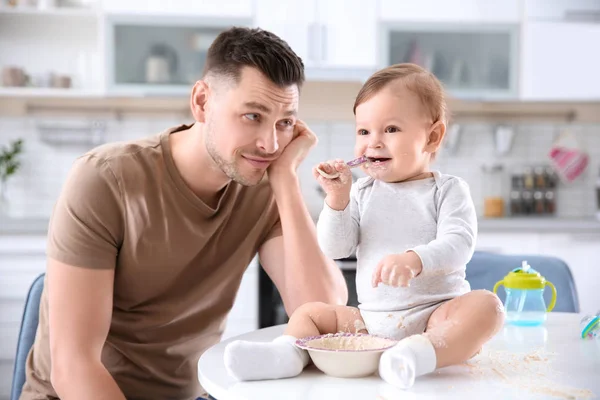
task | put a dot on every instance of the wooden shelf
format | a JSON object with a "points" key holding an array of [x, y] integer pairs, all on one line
{"points": [[33, 92], [11, 12]]}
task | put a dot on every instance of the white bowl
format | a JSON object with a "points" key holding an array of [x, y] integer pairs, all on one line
{"points": [[346, 355]]}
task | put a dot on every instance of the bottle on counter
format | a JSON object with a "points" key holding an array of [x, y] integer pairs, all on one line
{"points": [[516, 202], [539, 204], [550, 202], [493, 190], [517, 181], [539, 175], [528, 178], [528, 202], [551, 178]]}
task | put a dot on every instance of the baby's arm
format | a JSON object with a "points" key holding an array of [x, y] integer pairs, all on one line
{"points": [[337, 231], [456, 230]]}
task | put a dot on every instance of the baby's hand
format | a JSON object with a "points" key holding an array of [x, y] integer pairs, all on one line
{"points": [[397, 269], [337, 189]]}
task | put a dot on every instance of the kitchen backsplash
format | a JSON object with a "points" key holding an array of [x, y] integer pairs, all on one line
{"points": [[48, 157]]}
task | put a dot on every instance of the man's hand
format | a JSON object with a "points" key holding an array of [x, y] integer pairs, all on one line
{"points": [[294, 153], [397, 269]]}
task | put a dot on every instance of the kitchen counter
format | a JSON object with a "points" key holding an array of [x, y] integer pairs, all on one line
{"points": [[540, 225], [20, 226]]}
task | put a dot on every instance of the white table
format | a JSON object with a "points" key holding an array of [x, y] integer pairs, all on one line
{"points": [[549, 362]]}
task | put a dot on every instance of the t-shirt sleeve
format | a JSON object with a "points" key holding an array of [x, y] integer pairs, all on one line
{"points": [[87, 223], [275, 230]]}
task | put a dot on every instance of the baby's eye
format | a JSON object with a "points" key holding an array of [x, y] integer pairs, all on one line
{"points": [[252, 116], [392, 129], [363, 132]]}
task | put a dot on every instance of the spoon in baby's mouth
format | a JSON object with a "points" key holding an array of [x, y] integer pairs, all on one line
{"points": [[352, 164]]}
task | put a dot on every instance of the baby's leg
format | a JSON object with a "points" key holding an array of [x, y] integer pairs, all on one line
{"points": [[314, 319], [459, 328], [455, 332], [281, 358]]}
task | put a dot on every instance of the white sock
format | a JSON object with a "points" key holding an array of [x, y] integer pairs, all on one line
{"points": [[251, 361], [412, 357]]}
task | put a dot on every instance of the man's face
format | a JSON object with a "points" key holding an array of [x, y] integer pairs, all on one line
{"points": [[248, 124]]}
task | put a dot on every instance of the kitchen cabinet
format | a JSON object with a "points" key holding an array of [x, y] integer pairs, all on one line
{"points": [[581, 252], [349, 33], [474, 61], [146, 55], [203, 8], [544, 10], [458, 11], [558, 62], [480, 50], [335, 38], [294, 21]]}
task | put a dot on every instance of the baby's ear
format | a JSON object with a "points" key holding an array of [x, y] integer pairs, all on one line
{"points": [[436, 135]]}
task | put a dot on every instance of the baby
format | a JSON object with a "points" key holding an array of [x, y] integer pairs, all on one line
{"points": [[413, 231]]}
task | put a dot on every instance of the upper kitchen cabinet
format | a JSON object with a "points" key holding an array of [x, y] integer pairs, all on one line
{"points": [[294, 21], [474, 61], [336, 39], [147, 55], [203, 8], [459, 11], [562, 10], [348, 33], [559, 63]]}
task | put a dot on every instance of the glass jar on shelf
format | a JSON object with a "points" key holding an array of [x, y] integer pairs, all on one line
{"points": [[493, 190]]}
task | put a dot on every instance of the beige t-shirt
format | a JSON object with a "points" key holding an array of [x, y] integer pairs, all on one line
{"points": [[178, 263]]}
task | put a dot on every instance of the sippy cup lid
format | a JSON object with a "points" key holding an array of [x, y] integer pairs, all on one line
{"points": [[524, 277]]}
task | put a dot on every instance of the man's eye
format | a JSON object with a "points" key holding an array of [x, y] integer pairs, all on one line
{"points": [[252, 116], [287, 123], [363, 132]]}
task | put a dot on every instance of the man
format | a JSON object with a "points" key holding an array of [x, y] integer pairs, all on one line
{"points": [[149, 239]]}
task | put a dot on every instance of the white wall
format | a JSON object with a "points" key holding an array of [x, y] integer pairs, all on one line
{"points": [[45, 166]]}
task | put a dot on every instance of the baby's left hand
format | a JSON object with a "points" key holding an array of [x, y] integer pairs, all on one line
{"points": [[397, 269]]}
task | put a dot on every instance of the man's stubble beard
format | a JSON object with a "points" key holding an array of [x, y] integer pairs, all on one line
{"points": [[229, 168]]}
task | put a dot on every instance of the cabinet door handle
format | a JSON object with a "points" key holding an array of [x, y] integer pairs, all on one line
{"points": [[323, 43], [312, 42]]}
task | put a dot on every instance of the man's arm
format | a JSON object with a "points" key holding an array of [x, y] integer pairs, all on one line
{"points": [[84, 236], [294, 261], [80, 309]]}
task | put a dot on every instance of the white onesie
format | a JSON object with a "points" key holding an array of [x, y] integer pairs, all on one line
{"points": [[434, 217]]}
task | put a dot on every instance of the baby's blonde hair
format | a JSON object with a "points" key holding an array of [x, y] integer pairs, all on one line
{"points": [[416, 79]]}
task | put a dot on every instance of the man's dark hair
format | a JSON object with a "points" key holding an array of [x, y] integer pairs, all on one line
{"points": [[239, 47]]}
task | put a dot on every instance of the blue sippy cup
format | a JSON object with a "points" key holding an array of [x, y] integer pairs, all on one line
{"points": [[524, 302]]}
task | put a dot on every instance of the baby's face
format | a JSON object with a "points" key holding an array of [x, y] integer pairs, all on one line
{"points": [[393, 129]]}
